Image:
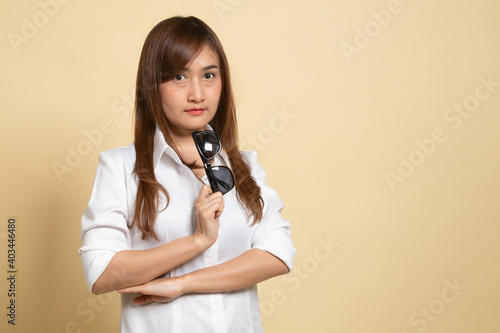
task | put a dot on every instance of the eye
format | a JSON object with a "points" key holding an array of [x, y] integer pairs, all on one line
{"points": [[179, 77], [209, 76]]}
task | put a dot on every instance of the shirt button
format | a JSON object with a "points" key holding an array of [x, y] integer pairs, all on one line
{"points": [[211, 262], [216, 301]]}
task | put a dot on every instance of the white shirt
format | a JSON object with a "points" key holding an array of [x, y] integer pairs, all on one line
{"points": [[105, 232]]}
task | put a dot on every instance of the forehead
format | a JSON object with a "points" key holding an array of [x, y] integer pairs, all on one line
{"points": [[206, 57]]}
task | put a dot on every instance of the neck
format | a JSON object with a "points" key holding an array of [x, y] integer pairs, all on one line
{"points": [[183, 144], [183, 140], [181, 137]]}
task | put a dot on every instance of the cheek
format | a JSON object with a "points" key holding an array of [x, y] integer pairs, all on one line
{"points": [[216, 91], [165, 103], [168, 100]]}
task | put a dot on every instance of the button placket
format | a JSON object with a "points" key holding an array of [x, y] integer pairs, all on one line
{"points": [[218, 315], [216, 301], [211, 255]]}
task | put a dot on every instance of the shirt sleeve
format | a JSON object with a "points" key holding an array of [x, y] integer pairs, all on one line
{"points": [[273, 232], [104, 222]]}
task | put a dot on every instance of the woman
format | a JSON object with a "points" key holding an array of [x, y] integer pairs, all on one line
{"points": [[184, 258]]}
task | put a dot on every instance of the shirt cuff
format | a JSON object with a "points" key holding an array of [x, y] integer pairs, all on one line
{"points": [[94, 263]]}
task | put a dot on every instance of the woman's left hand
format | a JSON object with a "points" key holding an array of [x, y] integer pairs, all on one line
{"points": [[161, 290]]}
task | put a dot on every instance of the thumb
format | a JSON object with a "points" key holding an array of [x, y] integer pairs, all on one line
{"points": [[205, 191]]}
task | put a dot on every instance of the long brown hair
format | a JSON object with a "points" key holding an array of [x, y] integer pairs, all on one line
{"points": [[168, 49]]}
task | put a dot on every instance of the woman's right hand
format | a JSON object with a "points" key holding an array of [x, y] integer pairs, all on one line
{"points": [[209, 206], [161, 290]]}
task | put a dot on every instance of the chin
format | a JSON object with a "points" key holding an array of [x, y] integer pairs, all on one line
{"points": [[196, 127]]}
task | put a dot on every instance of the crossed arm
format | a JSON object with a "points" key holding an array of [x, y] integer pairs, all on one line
{"points": [[135, 271], [250, 268]]}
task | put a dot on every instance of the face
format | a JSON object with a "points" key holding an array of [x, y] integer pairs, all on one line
{"points": [[191, 97]]}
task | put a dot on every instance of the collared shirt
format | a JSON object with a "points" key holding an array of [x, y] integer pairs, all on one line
{"points": [[105, 232]]}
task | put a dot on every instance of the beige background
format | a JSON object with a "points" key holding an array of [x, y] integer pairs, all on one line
{"points": [[336, 115]]}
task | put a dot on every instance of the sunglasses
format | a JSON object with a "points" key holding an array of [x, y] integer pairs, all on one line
{"points": [[209, 146]]}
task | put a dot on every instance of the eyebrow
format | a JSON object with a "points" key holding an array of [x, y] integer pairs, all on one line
{"points": [[206, 68], [210, 67]]}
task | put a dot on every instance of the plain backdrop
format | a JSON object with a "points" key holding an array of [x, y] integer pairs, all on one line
{"points": [[377, 123]]}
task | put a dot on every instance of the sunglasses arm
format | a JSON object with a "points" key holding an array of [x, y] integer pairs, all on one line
{"points": [[210, 176]]}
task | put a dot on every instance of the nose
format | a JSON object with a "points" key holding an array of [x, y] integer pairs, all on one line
{"points": [[196, 92]]}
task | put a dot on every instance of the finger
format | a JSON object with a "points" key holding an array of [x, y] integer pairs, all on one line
{"points": [[216, 197], [144, 299], [211, 209], [223, 203], [219, 200], [205, 192], [129, 290], [209, 202]]}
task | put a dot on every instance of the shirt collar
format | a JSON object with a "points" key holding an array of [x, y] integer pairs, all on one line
{"points": [[161, 146]]}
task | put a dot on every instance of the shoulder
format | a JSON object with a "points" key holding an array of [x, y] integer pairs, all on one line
{"points": [[250, 158], [125, 154], [248, 155], [118, 158]]}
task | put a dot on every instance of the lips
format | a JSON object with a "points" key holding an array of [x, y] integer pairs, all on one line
{"points": [[195, 111]]}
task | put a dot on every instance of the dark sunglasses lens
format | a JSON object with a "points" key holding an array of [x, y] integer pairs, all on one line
{"points": [[209, 144], [223, 178]]}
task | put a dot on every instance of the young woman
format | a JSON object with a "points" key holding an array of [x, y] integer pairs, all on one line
{"points": [[185, 259]]}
